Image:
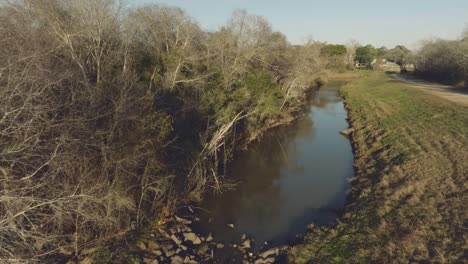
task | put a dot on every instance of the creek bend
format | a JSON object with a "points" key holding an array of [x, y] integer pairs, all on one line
{"points": [[295, 175]]}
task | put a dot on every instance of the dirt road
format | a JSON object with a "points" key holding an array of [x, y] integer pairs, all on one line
{"points": [[454, 94]]}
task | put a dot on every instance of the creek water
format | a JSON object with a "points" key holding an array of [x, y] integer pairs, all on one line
{"points": [[295, 175]]}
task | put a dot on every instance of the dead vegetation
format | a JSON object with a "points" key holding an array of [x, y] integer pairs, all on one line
{"points": [[444, 60], [111, 116]]}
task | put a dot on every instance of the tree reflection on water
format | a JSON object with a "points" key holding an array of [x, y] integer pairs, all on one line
{"points": [[294, 176]]}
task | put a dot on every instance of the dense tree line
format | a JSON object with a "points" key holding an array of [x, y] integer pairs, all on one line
{"points": [[400, 55], [109, 115], [336, 56], [369, 55], [444, 60], [366, 54]]}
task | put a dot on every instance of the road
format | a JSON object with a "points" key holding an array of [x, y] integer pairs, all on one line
{"points": [[455, 94]]}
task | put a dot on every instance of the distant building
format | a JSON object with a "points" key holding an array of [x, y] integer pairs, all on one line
{"points": [[386, 66]]}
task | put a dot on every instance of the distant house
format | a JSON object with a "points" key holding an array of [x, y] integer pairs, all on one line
{"points": [[386, 66], [362, 65], [359, 65]]}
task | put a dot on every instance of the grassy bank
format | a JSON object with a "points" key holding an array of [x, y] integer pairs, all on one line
{"points": [[406, 203]]}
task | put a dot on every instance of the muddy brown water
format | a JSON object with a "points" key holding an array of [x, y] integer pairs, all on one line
{"points": [[295, 175]]}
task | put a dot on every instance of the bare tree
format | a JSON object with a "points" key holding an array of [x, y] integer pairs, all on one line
{"points": [[91, 114], [305, 71], [444, 60], [461, 55], [168, 34], [85, 28], [465, 33], [246, 39], [69, 167]]}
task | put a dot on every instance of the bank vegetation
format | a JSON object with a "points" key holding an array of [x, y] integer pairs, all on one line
{"points": [[444, 60], [111, 116]]}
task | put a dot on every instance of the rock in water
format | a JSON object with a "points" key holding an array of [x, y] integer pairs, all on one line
{"points": [[347, 132], [182, 220], [168, 250], [188, 260], [220, 246], [176, 240], [170, 253], [247, 244], [177, 260], [150, 261], [157, 252], [192, 237], [270, 260], [204, 249], [271, 252]]}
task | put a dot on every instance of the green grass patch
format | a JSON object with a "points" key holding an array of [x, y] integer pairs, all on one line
{"points": [[407, 198]]}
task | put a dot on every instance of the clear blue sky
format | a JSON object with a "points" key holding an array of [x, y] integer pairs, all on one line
{"points": [[381, 23]]}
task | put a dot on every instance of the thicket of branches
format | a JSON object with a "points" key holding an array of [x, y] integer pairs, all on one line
{"points": [[110, 114], [444, 60]]}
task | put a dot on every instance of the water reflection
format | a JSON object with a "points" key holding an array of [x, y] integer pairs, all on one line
{"points": [[294, 176]]}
